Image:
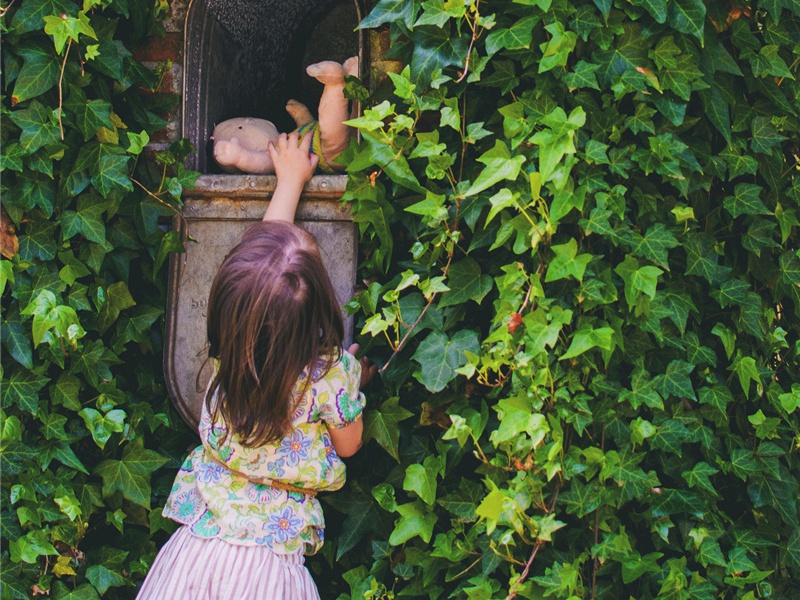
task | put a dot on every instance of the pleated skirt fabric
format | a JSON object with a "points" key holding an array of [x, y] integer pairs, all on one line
{"points": [[193, 568]]}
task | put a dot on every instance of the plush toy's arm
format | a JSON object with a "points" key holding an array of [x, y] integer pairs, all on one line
{"points": [[294, 166], [232, 157]]}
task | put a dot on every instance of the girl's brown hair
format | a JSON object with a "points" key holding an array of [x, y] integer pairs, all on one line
{"points": [[272, 313]]}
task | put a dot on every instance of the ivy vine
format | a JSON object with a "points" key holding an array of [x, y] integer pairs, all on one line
{"points": [[582, 282], [86, 419]]}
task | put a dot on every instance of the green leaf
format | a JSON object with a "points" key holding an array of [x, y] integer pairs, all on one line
{"points": [[82, 592], [586, 338], [745, 201], [39, 73], [382, 425], [466, 282], [717, 396], [131, 475], [434, 50], [676, 381], [103, 578], [688, 16], [21, 388], [656, 8], [440, 356], [17, 341], [30, 15], [38, 124], [118, 298], [102, 426], [86, 221], [670, 436], [389, 11], [699, 477], [112, 174], [567, 262], [499, 166], [516, 37], [415, 520], [31, 546], [421, 479], [765, 136]]}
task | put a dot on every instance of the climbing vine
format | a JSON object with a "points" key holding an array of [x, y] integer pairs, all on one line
{"points": [[85, 414], [582, 282]]}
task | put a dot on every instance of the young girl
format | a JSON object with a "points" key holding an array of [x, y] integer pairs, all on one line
{"points": [[284, 404]]}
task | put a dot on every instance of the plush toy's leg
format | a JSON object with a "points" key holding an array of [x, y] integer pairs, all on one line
{"points": [[299, 112], [333, 110]]}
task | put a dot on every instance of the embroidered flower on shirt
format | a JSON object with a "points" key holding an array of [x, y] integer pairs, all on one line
{"points": [[276, 468], [260, 493], [284, 525], [349, 408], [330, 453], [209, 473], [295, 448], [186, 504], [206, 526]]}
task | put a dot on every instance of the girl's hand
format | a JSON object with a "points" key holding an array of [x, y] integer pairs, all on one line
{"points": [[290, 155], [293, 167], [368, 369]]}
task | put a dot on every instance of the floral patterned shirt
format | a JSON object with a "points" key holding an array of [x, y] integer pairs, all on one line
{"points": [[217, 502]]}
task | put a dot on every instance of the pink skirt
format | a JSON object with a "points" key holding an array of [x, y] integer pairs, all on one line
{"points": [[193, 568]]}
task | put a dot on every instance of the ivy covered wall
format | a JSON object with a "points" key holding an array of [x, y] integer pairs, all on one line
{"points": [[579, 235]]}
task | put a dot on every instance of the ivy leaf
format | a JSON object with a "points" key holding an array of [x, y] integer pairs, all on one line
{"points": [[421, 479], [567, 262], [673, 306], [170, 242], [655, 245], [516, 37], [382, 425], [112, 174], [102, 426], [765, 136], [717, 396], [39, 72], [83, 592], [656, 8], [21, 388], [415, 520], [30, 15], [38, 125], [131, 475], [118, 298], [440, 356], [688, 16], [745, 201], [435, 50], [31, 546], [86, 221], [676, 381], [586, 338], [670, 435], [390, 11], [583, 76], [702, 259], [17, 342], [103, 578], [499, 166], [699, 477], [466, 282]]}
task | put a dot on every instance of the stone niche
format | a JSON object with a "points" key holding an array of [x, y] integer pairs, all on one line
{"points": [[247, 58]]}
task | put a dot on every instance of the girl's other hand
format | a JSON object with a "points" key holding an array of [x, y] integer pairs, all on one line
{"points": [[368, 369], [290, 155]]}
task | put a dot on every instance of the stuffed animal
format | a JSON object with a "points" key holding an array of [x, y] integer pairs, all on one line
{"points": [[240, 145]]}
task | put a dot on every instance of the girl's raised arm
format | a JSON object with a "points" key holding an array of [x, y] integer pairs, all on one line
{"points": [[294, 166], [347, 440]]}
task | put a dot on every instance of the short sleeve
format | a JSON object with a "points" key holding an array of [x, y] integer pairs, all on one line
{"points": [[339, 400]]}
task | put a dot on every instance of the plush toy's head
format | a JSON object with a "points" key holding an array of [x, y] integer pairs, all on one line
{"points": [[240, 145]]}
